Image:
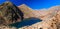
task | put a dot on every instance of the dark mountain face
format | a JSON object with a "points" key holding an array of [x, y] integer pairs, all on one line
{"points": [[10, 13]]}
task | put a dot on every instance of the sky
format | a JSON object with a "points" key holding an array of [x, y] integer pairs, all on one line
{"points": [[35, 4]]}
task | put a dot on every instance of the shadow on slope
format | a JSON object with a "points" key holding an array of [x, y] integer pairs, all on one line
{"points": [[26, 22]]}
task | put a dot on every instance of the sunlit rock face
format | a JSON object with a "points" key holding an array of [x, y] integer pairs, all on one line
{"points": [[9, 13], [26, 10]]}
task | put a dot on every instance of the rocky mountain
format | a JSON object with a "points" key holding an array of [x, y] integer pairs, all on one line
{"points": [[28, 12], [9, 13], [50, 17]]}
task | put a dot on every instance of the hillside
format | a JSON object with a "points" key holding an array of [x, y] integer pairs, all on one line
{"points": [[42, 14], [50, 17], [9, 13]]}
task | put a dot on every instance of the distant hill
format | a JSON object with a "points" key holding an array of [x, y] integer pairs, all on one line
{"points": [[49, 15], [42, 13]]}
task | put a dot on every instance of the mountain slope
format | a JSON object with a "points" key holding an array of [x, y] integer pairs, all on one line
{"points": [[10, 13], [28, 12], [50, 17]]}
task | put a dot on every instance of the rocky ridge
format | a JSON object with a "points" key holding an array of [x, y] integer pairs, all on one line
{"points": [[50, 17]]}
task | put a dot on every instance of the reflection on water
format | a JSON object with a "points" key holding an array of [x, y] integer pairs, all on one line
{"points": [[26, 22]]}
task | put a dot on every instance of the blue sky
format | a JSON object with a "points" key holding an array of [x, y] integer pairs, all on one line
{"points": [[35, 4]]}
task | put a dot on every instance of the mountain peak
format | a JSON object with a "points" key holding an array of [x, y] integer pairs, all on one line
{"points": [[10, 12], [23, 5], [7, 3]]}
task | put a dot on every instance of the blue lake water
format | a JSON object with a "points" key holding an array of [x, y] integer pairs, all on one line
{"points": [[26, 22]]}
